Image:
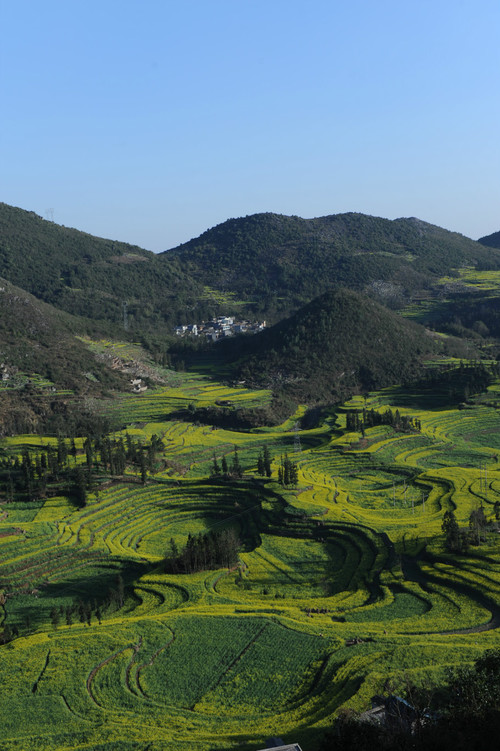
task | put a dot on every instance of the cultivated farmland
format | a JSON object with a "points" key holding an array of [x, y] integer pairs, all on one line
{"points": [[343, 579]]}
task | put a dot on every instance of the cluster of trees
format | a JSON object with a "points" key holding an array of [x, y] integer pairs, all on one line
{"points": [[264, 463], [458, 540], [215, 549], [235, 417], [35, 410], [224, 469], [464, 715], [83, 610], [35, 474], [30, 475], [288, 473], [114, 455], [358, 421], [229, 418], [79, 611], [467, 315], [461, 382]]}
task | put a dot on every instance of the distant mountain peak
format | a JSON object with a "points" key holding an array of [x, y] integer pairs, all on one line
{"points": [[491, 241]]}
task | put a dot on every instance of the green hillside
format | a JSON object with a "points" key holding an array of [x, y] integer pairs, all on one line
{"points": [[337, 344], [91, 276], [272, 263], [278, 262], [491, 241], [37, 338], [43, 363]]}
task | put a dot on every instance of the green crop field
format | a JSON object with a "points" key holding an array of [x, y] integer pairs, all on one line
{"points": [[343, 580]]}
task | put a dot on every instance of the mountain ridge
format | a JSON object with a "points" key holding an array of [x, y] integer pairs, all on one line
{"points": [[491, 241], [91, 276], [265, 265], [282, 261]]}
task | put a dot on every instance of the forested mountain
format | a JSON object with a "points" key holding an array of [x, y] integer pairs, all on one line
{"points": [[91, 276], [491, 241], [46, 372], [281, 261], [37, 338], [340, 343], [274, 263]]}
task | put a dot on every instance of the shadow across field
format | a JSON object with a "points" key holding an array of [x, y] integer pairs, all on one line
{"points": [[78, 597], [429, 399], [350, 550], [413, 572]]}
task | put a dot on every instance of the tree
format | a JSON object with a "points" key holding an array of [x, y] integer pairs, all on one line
{"points": [[87, 445], [204, 551], [236, 469], [476, 688], [151, 449], [260, 465], [215, 467], [62, 450], [287, 472], [477, 525], [142, 465], [6, 635], [452, 532], [55, 616], [79, 487], [121, 457], [267, 461], [10, 488], [172, 557], [120, 588]]}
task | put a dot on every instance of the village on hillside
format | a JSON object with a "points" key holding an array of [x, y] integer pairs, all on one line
{"points": [[220, 327]]}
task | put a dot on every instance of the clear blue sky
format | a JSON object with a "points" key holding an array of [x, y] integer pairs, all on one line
{"points": [[150, 121]]}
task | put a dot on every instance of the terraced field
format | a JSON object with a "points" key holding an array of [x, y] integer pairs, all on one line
{"points": [[343, 581]]}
